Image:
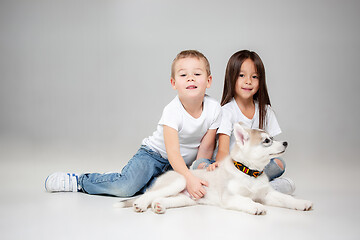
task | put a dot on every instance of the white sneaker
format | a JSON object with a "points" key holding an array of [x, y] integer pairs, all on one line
{"points": [[283, 185], [62, 182]]}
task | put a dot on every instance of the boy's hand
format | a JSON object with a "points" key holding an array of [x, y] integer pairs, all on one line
{"points": [[194, 186], [212, 166]]}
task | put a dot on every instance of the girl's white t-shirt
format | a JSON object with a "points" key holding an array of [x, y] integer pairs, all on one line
{"points": [[190, 130], [232, 114]]}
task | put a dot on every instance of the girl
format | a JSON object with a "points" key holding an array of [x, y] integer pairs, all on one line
{"points": [[246, 99]]}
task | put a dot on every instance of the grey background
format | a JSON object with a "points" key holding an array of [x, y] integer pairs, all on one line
{"points": [[83, 82], [88, 72]]}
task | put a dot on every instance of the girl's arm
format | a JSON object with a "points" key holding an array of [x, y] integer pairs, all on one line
{"points": [[193, 183], [224, 146], [223, 150], [207, 145]]}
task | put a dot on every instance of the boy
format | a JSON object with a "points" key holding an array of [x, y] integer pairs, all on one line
{"points": [[185, 132]]}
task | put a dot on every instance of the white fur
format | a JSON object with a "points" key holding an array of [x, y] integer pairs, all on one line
{"points": [[228, 187]]}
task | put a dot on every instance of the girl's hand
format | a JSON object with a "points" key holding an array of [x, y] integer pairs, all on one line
{"points": [[194, 186], [212, 166]]}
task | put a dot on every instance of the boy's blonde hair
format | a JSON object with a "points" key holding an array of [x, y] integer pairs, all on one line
{"points": [[190, 54]]}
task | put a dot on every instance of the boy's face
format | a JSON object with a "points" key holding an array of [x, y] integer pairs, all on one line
{"points": [[190, 77]]}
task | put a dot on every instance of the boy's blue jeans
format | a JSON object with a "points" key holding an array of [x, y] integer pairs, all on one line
{"points": [[138, 174], [272, 170]]}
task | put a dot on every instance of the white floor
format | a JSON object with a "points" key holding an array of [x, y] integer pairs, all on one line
{"points": [[28, 212]]}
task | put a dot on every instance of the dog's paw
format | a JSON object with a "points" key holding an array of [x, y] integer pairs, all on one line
{"points": [[256, 209], [157, 207], [140, 206], [303, 205]]}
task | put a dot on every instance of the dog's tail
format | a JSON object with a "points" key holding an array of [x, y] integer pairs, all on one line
{"points": [[125, 203]]}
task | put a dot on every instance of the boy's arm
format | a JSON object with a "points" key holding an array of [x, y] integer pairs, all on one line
{"points": [[207, 145], [193, 183]]}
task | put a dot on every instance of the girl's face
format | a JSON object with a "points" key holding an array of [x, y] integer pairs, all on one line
{"points": [[247, 83]]}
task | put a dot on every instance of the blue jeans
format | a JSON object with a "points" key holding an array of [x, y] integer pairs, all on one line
{"points": [[272, 170], [135, 177]]}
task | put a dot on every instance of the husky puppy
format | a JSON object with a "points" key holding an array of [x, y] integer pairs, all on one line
{"points": [[237, 183]]}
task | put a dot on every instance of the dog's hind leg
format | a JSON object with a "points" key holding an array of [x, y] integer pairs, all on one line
{"points": [[160, 205], [277, 199], [169, 184]]}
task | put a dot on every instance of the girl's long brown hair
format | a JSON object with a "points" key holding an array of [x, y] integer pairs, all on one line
{"points": [[232, 74]]}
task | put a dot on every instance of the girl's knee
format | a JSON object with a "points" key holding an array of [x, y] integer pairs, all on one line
{"points": [[275, 168], [280, 163], [201, 163], [201, 166]]}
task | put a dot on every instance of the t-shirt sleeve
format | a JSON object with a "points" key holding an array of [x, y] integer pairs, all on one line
{"points": [[272, 125], [171, 117], [217, 117], [226, 124]]}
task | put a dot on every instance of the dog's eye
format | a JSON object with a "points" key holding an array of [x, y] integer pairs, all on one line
{"points": [[267, 141]]}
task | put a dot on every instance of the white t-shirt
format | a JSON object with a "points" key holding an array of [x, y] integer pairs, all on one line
{"points": [[231, 114], [190, 130]]}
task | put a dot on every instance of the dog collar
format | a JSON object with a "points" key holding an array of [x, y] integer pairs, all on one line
{"points": [[246, 170]]}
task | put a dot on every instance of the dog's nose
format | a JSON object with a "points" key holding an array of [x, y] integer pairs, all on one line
{"points": [[285, 144]]}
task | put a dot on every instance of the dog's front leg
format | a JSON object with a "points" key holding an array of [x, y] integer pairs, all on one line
{"points": [[245, 204], [278, 199]]}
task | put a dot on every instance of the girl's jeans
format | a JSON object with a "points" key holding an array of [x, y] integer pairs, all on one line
{"points": [[272, 170], [135, 177]]}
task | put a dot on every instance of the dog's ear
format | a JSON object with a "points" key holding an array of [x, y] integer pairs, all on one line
{"points": [[241, 135]]}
